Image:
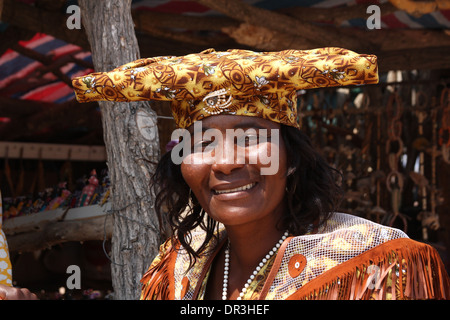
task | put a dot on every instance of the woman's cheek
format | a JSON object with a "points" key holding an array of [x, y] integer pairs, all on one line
{"points": [[189, 169], [266, 156]]}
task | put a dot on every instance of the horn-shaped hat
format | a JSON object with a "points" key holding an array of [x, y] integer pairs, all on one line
{"points": [[238, 82]]}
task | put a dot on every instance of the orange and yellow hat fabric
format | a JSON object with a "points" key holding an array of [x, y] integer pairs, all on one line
{"points": [[239, 82]]}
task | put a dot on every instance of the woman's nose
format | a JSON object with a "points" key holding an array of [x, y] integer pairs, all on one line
{"points": [[228, 158]]}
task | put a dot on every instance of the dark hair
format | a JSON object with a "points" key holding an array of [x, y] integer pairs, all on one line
{"points": [[312, 194]]}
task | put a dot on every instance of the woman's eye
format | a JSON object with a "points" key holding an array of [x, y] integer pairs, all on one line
{"points": [[201, 145], [247, 141]]}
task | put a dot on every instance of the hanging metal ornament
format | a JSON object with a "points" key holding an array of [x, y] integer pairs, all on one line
{"points": [[377, 213], [394, 150], [444, 131]]}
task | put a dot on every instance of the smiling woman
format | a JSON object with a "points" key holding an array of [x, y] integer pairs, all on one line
{"points": [[239, 231], [255, 209]]}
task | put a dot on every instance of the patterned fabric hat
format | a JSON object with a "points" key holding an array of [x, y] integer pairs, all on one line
{"points": [[238, 82]]}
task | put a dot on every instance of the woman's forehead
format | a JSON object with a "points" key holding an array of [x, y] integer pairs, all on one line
{"points": [[223, 122]]}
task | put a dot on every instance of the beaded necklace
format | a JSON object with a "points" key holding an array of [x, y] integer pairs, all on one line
{"points": [[252, 276]]}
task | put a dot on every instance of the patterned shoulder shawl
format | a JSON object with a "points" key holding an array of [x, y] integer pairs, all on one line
{"points": [[349, 258]]}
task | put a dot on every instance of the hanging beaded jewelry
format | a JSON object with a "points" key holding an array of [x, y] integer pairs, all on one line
{"points": [[253, 275]]}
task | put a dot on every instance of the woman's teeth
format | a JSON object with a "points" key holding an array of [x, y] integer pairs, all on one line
{"points": [[243, 188]]}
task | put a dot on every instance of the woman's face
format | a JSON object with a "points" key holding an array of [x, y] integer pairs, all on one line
{"points": [[233, 182]]}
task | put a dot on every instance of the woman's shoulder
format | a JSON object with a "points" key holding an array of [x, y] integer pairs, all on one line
{"points": [[343, 237], [157, 282], [359, 229], [346, 244]]}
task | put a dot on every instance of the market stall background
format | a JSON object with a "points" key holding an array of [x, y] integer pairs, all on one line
{"points": [[42, 126]]}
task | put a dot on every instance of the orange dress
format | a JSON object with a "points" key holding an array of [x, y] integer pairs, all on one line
{"points": [[350, 258]]}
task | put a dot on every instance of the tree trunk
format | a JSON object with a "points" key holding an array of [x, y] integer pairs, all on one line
{"points": [[131, 139]]}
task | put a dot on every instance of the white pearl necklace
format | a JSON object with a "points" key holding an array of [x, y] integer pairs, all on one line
{"points": [[226, 268]]}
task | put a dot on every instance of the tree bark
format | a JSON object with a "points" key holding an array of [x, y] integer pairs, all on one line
{"points": [[132, 149]]}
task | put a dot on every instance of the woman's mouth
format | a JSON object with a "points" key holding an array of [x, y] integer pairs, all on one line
{"points": [[233, 190]]}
